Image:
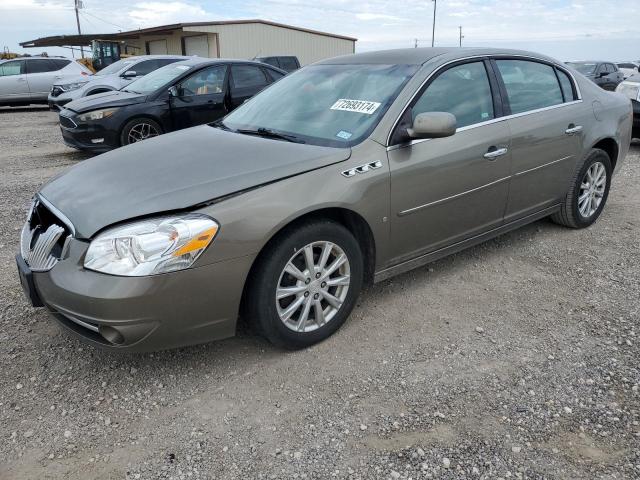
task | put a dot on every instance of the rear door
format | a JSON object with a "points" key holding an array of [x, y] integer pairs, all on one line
{"points": [[245, 81], [546, 125], [445, 190], [42, 73], [201, 97], [13, 81]]}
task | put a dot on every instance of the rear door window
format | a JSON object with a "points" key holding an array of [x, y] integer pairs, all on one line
{"points": [[567, 86], [530, 85], [248, 76], [40, 66], [463, 90], [288, 63], [8, 69]]}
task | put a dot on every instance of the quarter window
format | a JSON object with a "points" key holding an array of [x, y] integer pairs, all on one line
{"points": [[463, 90], [530, 85]]}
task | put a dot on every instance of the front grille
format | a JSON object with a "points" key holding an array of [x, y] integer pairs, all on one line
{"points": [[66, 122], [55, 91], [43, 238]]}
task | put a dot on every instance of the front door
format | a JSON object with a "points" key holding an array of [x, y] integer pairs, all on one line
{"points": [[546, 133], [201, 98], [13, 81], [444, 190]]}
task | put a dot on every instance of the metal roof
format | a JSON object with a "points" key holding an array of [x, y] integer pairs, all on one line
{"points": [[77, 40]]}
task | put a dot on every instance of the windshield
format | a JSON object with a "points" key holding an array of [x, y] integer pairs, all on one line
{"points": [[330, 105], [584, 68], [156, 79], [114, 67]]}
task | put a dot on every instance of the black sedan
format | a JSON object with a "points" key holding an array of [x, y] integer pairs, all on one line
{"points": [[604, 74], [180, 95]]}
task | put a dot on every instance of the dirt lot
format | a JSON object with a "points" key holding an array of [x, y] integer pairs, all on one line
{"points": [[518, 358]]}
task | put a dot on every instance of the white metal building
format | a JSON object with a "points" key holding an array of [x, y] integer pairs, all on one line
{"points": [[242, 39]]}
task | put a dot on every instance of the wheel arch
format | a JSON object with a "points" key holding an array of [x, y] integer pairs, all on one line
{"points": [[350, 219], [97, 90], [610, 146]]}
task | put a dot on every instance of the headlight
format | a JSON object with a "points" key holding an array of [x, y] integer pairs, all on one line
{"points": [[149, 247], [71, 86], [97, 114]]}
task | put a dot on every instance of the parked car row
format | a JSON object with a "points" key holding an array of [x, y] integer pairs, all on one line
{"points": [[348, 171], [179, 95], [114, 77], [25, 81]]}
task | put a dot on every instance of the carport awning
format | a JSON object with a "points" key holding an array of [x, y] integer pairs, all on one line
{"points": [[69, 40]]}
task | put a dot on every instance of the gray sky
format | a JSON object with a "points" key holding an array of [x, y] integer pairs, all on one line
{"points": [[566, 29]]}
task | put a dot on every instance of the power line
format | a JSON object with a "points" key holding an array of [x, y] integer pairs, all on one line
{"points": [[105, 21]]}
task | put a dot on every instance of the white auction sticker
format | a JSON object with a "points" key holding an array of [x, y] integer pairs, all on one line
{"points": [[358, 106]]}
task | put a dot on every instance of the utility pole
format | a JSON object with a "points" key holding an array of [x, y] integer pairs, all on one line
{"points": [[78, 6], [415, 43], [461, 36], [433, 32]]}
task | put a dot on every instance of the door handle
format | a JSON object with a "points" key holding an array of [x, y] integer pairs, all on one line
{"points": [[572, 130], [494, 153]]}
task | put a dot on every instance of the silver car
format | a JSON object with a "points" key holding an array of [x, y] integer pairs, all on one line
{"points": [[114, 77], [345, 172], [24, 81]]}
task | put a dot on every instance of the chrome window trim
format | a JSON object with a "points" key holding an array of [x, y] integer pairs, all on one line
{"points": [[63, 218], [493, 120], [488, 122]]}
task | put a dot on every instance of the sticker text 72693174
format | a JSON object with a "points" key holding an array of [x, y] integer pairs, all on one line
{"points": [[358, 106]]}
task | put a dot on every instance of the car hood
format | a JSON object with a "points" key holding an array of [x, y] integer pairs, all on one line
{"points": [[176, 171], [105, 100]]}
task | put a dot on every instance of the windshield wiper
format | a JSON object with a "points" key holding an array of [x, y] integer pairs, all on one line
{"points": [[268, 133]]}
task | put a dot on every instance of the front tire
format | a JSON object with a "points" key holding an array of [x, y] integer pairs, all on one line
{"points": [[139, 129], [305, 284], [588, 192]]}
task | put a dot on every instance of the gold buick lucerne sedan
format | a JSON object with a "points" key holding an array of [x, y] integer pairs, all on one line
{"points": [[345, 172]]}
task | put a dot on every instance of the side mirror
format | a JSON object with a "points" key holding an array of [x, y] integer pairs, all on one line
{"points": [[129, 74], [173, 91], [602, 74], [433, 125]]}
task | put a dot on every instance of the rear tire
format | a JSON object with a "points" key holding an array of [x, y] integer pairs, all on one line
{"points": [[588, 192], [139, 129], [298, 309]]}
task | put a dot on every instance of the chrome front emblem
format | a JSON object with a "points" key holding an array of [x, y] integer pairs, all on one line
{"points": [[362, 168]]}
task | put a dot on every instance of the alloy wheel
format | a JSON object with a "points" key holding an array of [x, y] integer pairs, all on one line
{"points": [[142, 131], [592, 189], [313, 286]]}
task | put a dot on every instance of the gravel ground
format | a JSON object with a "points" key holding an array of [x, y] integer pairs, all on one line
{"points": [[515, 359]]}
